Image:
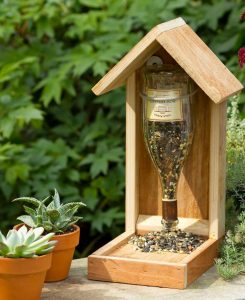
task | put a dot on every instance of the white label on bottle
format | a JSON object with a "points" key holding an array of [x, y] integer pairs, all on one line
{"points": [[169, 108]]}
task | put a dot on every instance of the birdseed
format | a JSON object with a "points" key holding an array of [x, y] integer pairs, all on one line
{"points": [[168, 144], [176, 241]]}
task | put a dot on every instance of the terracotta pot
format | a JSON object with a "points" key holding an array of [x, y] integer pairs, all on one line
{"points": [[23, 278], [62, 255]]}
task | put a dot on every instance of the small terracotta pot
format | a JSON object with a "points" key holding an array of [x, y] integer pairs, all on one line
{"points": [[62, 255], [23, 278]]}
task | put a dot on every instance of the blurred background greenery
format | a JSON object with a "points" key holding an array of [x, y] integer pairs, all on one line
{"points": [[55, 133]]}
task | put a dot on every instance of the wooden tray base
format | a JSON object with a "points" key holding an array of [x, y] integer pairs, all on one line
{"points": [[117, 261]]}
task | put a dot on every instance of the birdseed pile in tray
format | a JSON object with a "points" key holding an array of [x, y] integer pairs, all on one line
{"points": [[176, 241]]}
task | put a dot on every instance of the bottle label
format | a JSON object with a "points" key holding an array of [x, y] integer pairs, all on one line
{"points": [[168, 109]]}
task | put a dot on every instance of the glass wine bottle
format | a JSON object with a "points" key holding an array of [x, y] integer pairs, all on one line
{"points": [[167, 128]]}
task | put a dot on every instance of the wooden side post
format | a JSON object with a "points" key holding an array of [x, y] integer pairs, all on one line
{"points": [[217, 170], [131, 161]]}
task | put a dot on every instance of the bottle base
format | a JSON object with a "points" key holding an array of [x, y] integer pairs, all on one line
{"points": [[169, 225]]}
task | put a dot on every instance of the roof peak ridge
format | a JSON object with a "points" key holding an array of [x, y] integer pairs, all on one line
{"points": [[187, 49], [168, 25]]}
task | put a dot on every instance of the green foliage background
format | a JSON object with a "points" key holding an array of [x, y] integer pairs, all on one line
{"points": [[53, 131]]}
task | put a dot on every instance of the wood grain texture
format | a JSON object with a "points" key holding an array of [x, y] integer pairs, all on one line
{"points": [[149, 187], [128, 251], [115, 243], [146, 223], [217, 170], [202, 260], [135, 58], [121, 263], [193, 186], [132, 203], [200, 63], [136, 272], [190, 52]]}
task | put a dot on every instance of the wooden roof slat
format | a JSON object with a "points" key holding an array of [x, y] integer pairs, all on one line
{"points": [[189, 51], [200, 63]]}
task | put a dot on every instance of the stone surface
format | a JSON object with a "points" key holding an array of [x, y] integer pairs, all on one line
{"points": [[77, 287]]}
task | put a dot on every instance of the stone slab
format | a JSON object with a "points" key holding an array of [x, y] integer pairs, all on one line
{"points": [[77, 287]]}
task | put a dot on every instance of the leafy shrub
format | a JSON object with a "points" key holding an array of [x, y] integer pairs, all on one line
{"points": [[232, 255], [53, 131], [236, 154], [232, 261]]}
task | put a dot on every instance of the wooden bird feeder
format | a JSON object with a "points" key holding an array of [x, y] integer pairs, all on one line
{"points": [[201, 188]]}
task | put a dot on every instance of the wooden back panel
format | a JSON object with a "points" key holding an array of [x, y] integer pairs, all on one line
{"points": [[193, 188], [149, 188]]}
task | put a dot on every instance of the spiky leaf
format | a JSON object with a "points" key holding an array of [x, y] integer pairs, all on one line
{"points": [[27, 220], [45, 200], [31, 200], [48, 226], [56, 199], [53, 214], [63, 209], [29, 211]]}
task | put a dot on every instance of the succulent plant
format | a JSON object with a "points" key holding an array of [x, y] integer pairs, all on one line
{"points": [[25, 243], [53, 217]]}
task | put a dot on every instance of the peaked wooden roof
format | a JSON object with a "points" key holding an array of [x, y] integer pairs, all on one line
{"points": [[189, 51]]}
